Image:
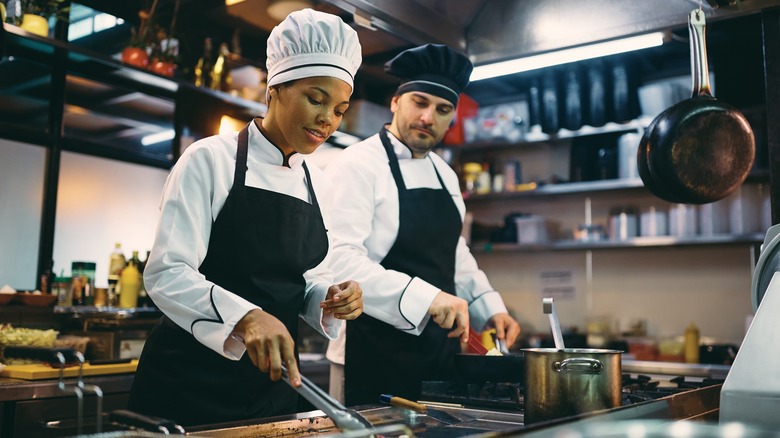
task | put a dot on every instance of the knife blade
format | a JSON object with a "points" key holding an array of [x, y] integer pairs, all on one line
{"points": [[436, 414]]}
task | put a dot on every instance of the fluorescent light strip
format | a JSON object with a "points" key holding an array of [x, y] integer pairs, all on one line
{"points": [[158, 137], [566, 56]]}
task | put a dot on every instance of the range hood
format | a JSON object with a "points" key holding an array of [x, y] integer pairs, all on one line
{"points": [[496, 30]]}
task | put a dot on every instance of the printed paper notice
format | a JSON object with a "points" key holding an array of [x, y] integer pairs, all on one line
{"points": [[557, 284]]}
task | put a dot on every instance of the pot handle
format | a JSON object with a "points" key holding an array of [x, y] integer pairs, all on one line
{"points": [[578, 365]]}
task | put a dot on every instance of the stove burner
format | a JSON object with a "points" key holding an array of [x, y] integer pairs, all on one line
{"points": [[506, 396], [509, 396], [639, 382]]}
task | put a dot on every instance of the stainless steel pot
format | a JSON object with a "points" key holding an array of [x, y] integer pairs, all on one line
{"points": [[562, 383]]}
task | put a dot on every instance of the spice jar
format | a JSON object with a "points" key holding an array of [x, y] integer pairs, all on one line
{"points": [[87, 271], [61, 287]]}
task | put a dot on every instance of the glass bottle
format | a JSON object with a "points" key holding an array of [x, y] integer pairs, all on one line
{"points": [[115, 265], [204, 65], [220, 74]]}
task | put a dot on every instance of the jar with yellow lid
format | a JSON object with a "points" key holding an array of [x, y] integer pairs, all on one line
{"points": [[471, 171]]}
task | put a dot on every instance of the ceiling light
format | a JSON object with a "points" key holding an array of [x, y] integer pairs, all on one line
{"points": [[161, 136], [280, 9], [232, 2], [567, 55]]}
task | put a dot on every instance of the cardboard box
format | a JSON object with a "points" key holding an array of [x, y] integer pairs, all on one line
{"points": [[365, 118]]}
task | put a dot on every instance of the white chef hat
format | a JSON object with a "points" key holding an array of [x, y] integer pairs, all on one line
{"points": [[310, 43]]}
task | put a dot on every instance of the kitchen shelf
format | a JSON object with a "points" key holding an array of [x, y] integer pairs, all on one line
{"points": [[22, 43], [562, 189], [638, 242], [536, 138]]}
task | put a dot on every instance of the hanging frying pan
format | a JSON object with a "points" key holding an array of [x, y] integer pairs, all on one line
{"points": [[701, 149]]}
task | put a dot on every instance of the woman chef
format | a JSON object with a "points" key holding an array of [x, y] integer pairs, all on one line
{"points": [[242, 247]]}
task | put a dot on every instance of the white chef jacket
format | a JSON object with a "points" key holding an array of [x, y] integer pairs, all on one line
{"points": [[365, 226], [194, 193]]}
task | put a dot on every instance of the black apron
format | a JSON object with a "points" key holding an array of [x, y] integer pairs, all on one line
{"points": [[261, 244], [381, 359]]}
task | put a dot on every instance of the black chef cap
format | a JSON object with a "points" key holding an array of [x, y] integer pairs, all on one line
{"points": [[433, 68]]}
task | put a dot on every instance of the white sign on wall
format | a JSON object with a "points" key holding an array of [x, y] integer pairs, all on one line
{"points": [[558, 284]]}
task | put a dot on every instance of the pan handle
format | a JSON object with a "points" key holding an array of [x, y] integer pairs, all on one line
{"points": [[700, 71]]}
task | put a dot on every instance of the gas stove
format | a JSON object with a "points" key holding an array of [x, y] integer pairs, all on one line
{"points": [[508, 396]]}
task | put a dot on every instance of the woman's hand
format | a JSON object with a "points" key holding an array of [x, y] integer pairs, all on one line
{"points": [[269, 345], [506, 327], [343, 301]]}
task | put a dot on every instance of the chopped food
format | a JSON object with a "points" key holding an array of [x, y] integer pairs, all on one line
{"points": [[493, 352], [27, 337]]}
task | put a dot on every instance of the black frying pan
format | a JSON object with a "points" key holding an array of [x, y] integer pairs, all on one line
{"points": [[699, 150], [481, 368]]}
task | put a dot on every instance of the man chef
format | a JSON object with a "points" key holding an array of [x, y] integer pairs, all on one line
{"points": [[242, 248], [398, 216]]}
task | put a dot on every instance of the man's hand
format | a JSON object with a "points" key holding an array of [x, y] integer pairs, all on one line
{"points": [[447, 311], [506, 327], [343, 301], [269, 345]]}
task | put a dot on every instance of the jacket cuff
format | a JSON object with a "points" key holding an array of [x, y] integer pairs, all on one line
{"points": [[214, 332], [484, 307], [415, 301], [327, 325]]}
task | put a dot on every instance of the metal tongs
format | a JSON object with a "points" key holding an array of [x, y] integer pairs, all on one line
{"points": [[345, 419]]}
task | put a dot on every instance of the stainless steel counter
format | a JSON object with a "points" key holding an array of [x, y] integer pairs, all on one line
{"points": [[18, 389], [675, 369]]}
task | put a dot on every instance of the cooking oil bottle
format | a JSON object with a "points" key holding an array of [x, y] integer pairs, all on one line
{"points": [[692, 344], [129, 284]]}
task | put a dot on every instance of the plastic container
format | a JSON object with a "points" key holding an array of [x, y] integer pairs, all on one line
{"points": [[622, 223], [692, 344], [129, 284], [652, 222], [532, 230]]}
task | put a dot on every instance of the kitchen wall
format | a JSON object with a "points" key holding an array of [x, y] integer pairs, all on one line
{"points": [[21, 202], [668, 287], [100, 202]]}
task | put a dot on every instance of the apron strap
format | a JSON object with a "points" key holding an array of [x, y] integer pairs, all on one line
{"points": [[308, 183], [239, 175], [394, 167]]}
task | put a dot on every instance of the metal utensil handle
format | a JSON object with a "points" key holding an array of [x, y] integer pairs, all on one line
{"points": [[75, 390], [578, 365], [548, 305], [700, 72], [317, 392], [343, 418], [91, 388]]}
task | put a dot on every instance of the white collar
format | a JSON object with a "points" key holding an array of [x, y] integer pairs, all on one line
{"points": [[401, 150], [263, 151]]}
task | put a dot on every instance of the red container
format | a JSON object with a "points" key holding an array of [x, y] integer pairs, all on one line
{"points": [[467, 108]]}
